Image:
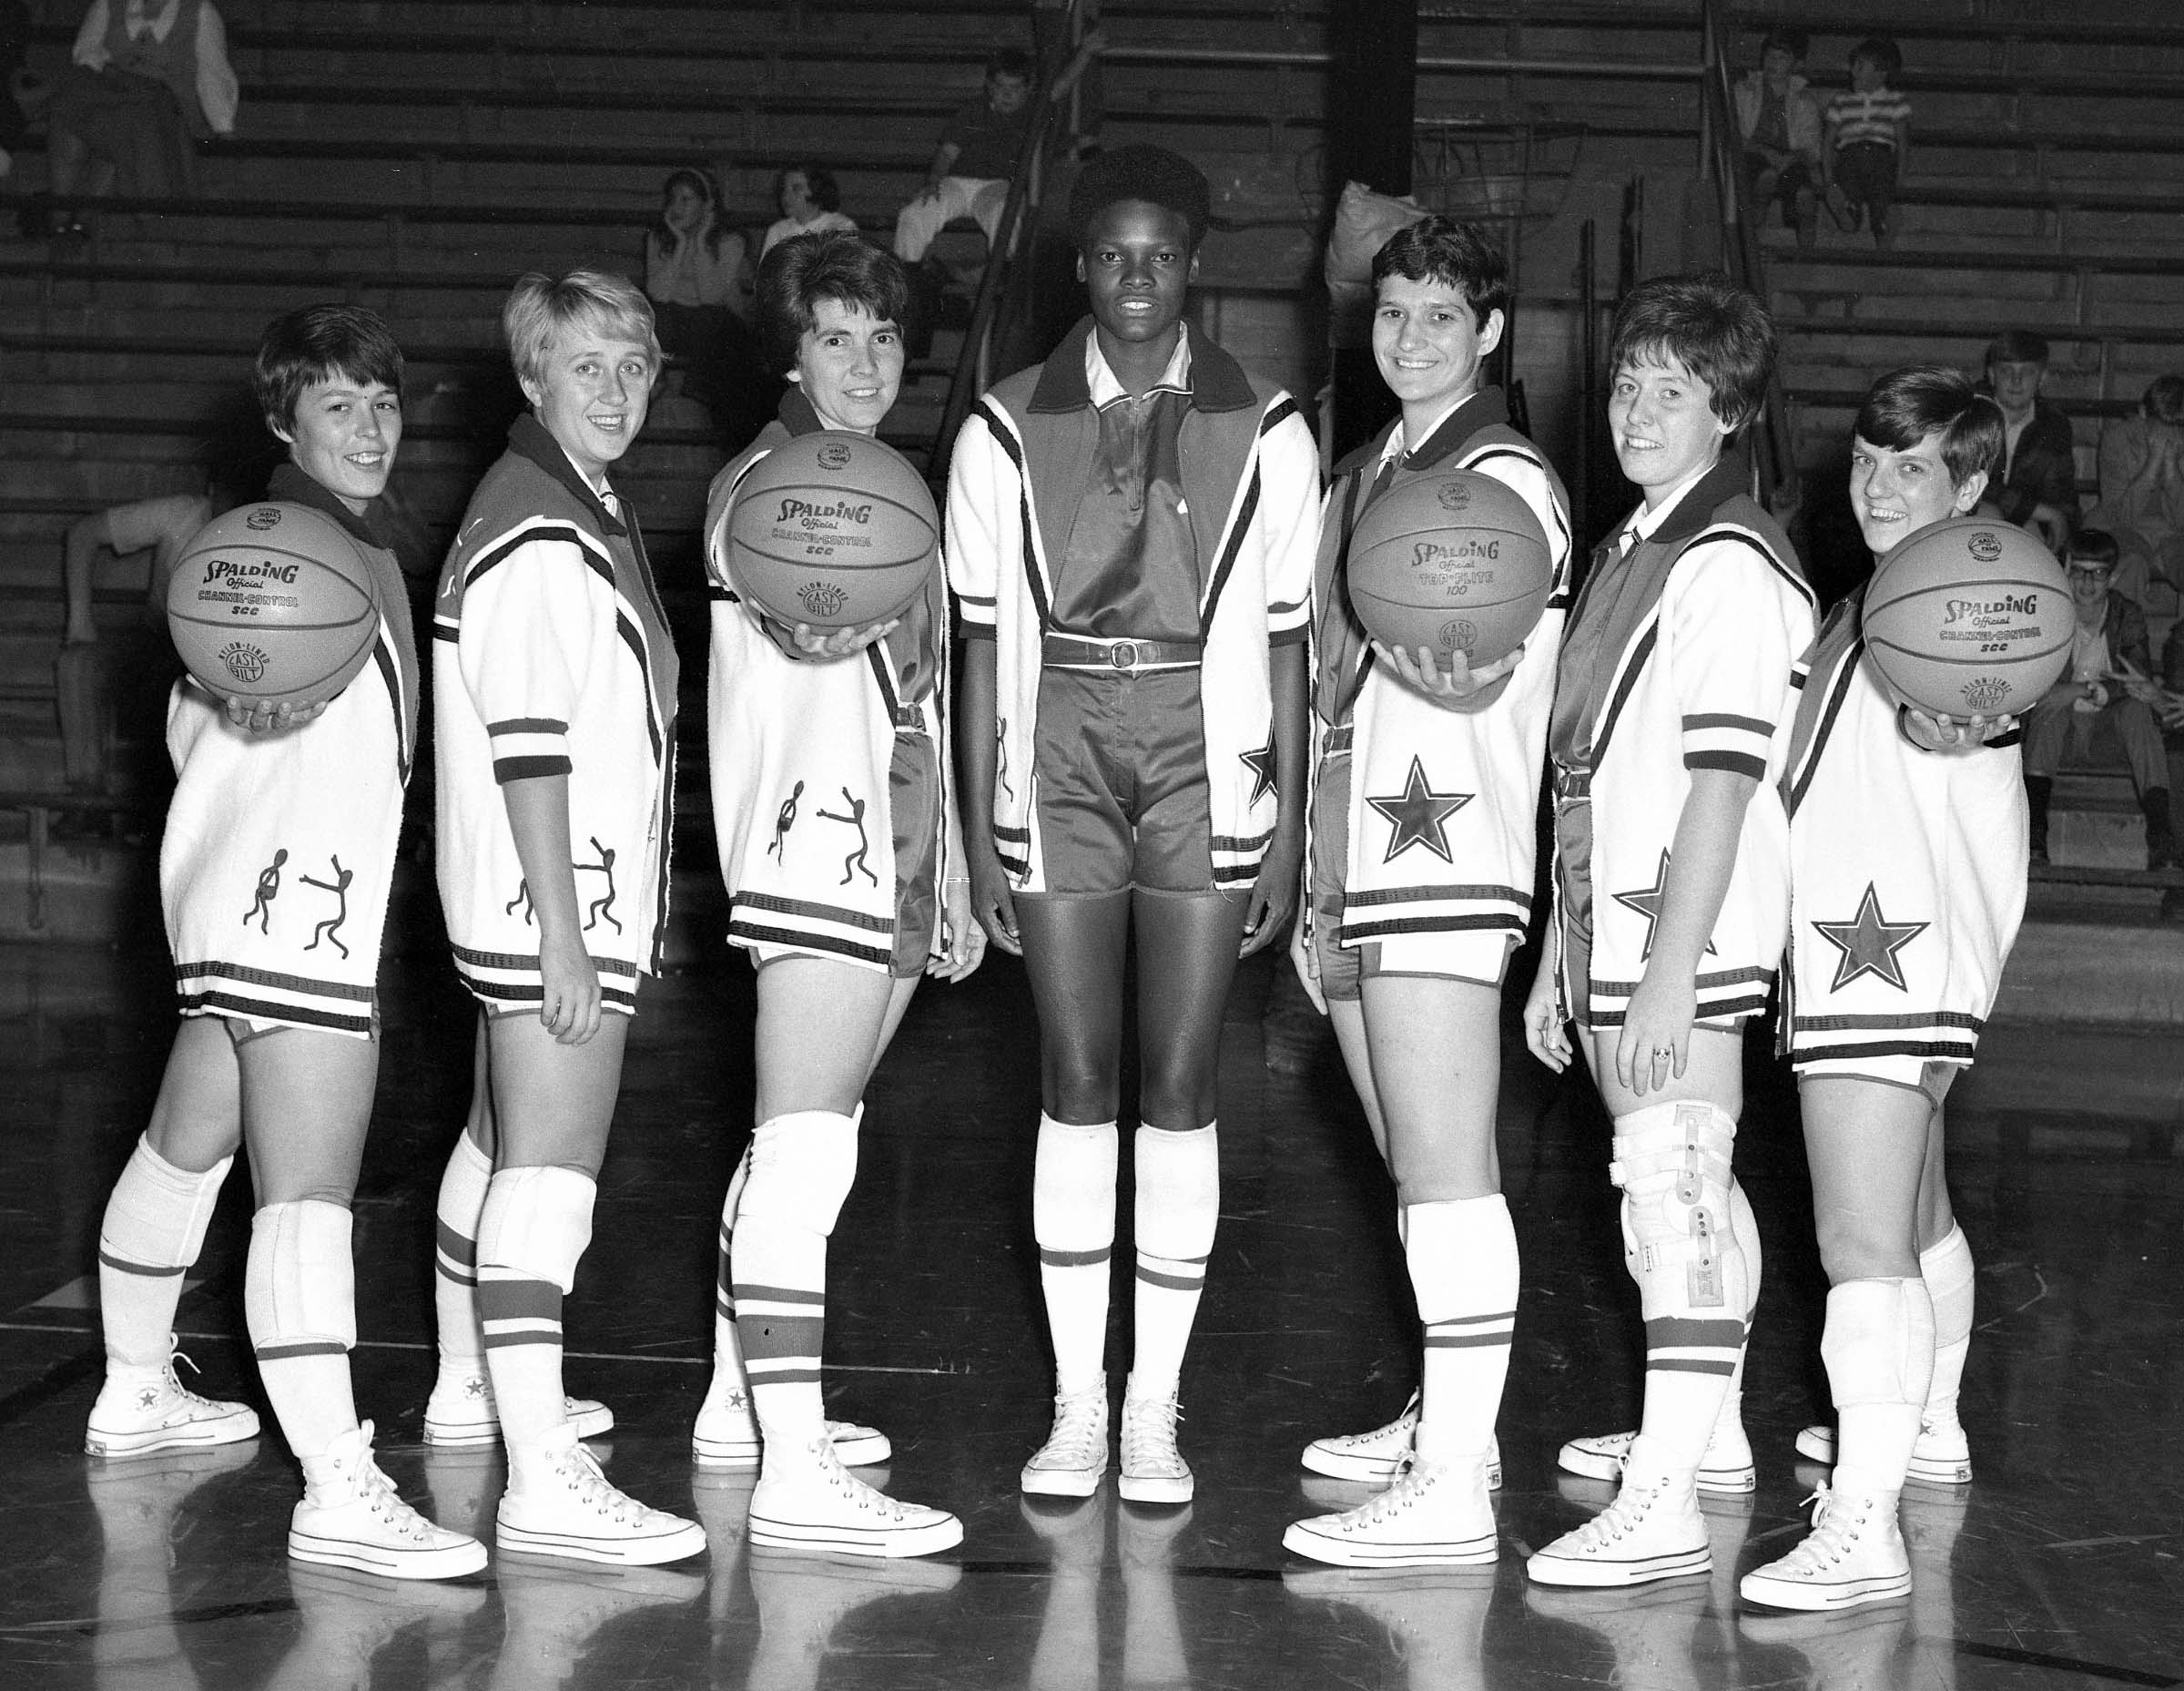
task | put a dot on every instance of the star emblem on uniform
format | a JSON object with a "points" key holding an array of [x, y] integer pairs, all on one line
{"points": [[1646, 902], [1260, 765], [1869, 943], [1416, 814]]}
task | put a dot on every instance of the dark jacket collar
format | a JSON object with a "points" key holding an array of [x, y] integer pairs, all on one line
{"points": [[1696, 509], [1217, 380], [1483, 410], [527, 438], [288, 483], [797, 415]]}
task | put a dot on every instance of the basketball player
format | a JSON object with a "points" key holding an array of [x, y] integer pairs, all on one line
{"points": [[1425, 792], [1674, 887], [1908, 869], [838, 953], [278, 1046], [1130, 530], [555, 689]]}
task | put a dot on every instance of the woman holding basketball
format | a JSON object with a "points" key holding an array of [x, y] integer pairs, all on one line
{"points": [[1908, 869], [1130, 530], [1428, 777], [278, 1046], [1672, 885], [795, 717], [555, 688]]}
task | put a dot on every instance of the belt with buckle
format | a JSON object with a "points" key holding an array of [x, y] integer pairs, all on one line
{"points": [[1337, 739], [1572, 783], [1124, 658]]}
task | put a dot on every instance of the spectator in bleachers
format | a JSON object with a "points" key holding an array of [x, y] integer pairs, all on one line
{"points": [[1868, 141], [2036, 485], [2105, 704], [2142, 492], [697, 273], [811, 204], [148, 81], [969, 177], [1057, 27], [1779, 117]]}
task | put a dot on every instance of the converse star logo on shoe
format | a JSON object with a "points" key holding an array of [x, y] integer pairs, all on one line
{"points": [[147, 1397], [473, 1388], [738, 1400]]}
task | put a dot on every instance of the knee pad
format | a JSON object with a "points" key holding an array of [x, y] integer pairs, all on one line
{"points": [[300, 1283], [1878, 1342], [1073, 1186], [1672, 1163], [1178, 1191], [536, 1224], [802, 1167], [156, 1218]]}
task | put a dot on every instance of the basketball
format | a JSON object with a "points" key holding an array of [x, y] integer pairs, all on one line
{"points": [[273, 602], [1970, 616], [1452, 560], [833, 529]]}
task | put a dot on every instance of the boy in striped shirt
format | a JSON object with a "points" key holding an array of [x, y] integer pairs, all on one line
{"points": [[1869, 141]]}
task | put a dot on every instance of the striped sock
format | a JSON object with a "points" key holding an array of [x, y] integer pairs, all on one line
{"points": [[152, 1231], [531, 1235], [463, 1186], [1462, 1257], [1073, 1219], [801, 1168], [1178, 1208], [299, 1304]]}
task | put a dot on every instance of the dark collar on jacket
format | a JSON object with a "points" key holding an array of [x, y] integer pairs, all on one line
{"points": [[797, 415], [527, 438], [289, 484], [1217, 380], [1483, 410], [1696, 509]]}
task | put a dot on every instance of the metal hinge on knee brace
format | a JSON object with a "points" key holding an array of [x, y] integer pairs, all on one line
{"points": [[1702, 1271]]}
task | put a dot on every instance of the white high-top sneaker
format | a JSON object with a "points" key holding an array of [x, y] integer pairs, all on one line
{"points": [[727, 1434], [1652, 1530], [144, 1407], [351, 1517], [1943, 1455], [1855, 1555], [1153, 1470], [461, 1412], [1069, 1463], [558, 1504], [1375, 1458], [1727, 1465], [810, 1502], [1434, 1513]]}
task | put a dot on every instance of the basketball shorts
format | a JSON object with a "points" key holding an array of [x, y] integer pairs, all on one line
{"points": [[914, 800], [1918, 1073], [1121, 791]]}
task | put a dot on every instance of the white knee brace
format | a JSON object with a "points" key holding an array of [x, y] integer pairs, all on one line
{"points": [[1178, 1191], [1878, 1342], [536, 1224], [1671, 1162], [157, 1217], [802, 1167], [1073, 1186], [300, 1283]]}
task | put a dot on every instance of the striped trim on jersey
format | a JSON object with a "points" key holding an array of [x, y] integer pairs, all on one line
{"points": [[510, 981], [217, 988], [806, 924], [1722, 992], [1432, 909]]}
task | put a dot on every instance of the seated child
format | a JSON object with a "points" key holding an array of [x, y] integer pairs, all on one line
{"points": [[1868, 140]]}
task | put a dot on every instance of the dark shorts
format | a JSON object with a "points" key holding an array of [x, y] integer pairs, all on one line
{"points": [[1121, 782], [1865, 172], [1795, 178]]}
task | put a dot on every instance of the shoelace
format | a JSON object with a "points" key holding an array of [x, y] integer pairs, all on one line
{"points": [[174, 1381], [595, 1492], [1078, 1433], [1836, 1528], [852, 1489], [1623, 1515], [1409, 1483], [377, 1493], [1150, 1428]]}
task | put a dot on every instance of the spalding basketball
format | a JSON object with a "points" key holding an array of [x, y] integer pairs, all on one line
{"points": [[833, 529], [1453, 560], [274, 602], [1971, 616]]}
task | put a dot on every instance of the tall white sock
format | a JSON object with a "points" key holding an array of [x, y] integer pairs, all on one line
{"points": [[801, 1168], [1878, 1345], [462, 1186], [1072, 1221], [1178, 1206], [299, 1304], [1462, 1255], [1949, 1274], [531, 1236], [153, 1229]]}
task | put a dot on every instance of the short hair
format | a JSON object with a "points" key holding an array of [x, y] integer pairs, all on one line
{"points": [[1009, 62], [1439, 249], [316, 343], [1141, 171], [2164, 400], [826, 192], [1714, 329], [1794, 41], [2095, 546], [1878, 50], [539, 307], [2017, 346], [833, 264], [1906, 405], [701, 183]]}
